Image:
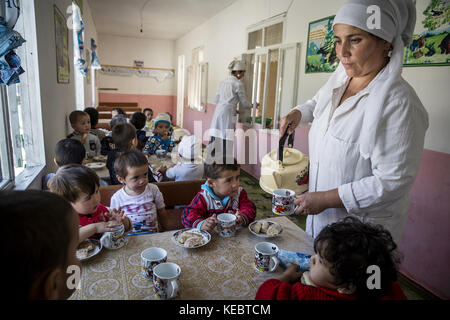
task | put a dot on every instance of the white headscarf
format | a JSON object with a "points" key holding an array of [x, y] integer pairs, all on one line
{"points": [[397, 22], [189, 147]]}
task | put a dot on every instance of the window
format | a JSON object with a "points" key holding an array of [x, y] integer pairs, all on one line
{"points": [[197, 80], [271, 77], [20, 116]]}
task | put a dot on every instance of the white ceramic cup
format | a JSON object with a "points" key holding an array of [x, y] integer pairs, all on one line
{"points": [[266, 259], [150, 258], [283, 202], [166, 283], [226, 225], [114, 240]]}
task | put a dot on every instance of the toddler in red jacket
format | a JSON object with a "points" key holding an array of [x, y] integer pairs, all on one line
{"points": [[220, 193], [353, 260]]}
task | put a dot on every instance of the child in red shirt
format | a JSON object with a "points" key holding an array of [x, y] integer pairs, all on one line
{"points": [[221, 193], [340, 268], [80, 186]]}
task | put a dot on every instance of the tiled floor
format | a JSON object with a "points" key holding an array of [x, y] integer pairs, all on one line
{"points": [[263, 204]]}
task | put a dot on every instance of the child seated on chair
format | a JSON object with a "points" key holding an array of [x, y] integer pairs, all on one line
{"points": [[221, 193], [81, 125], [68, 151], [124, 138], [142, 201], [149, 125], [39, 245], [191, 166], [340, 268], [80, 186], [161, 138], [137, 119]]}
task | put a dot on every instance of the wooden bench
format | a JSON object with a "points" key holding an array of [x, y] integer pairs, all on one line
{"points": [[175, 193]]}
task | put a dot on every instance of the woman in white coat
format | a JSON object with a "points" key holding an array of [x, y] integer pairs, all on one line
{"points": [[368, 125], [230, 92]]}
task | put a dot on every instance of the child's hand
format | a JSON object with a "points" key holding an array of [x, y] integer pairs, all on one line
{"points": [[239, 218], [209, 223], [290, 274], [102, 227], [83, 138], [116, 215], [163, 170]]}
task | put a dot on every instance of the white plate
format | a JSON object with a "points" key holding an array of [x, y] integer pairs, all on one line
{"points": [[205, 234], [263, 235], [98, 247], [95, 165]]}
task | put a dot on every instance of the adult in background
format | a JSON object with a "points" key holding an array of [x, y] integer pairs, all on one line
{"points": [[368, 124], [230, 92]]}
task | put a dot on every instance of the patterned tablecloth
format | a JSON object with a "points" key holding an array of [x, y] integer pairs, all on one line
{"points": [[222, 269]]}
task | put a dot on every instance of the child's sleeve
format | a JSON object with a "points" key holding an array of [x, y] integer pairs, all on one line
{"points": [[98, 146], [114, 202], [158, 197], [195, 212], [274, 289], [246, 207], [171, 173]]}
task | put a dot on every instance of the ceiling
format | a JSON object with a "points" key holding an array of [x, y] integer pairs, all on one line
{"points": [[162, 19]]}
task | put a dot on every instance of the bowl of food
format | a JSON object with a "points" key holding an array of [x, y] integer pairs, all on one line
{"points": [[88, 248], [265, 228], [191, 238]]}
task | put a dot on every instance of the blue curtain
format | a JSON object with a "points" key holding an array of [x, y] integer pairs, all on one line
{"points": [[10, 68]]}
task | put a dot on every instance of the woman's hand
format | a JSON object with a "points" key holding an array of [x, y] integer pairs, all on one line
{"points": [[290, 122], [290, 274], [316, 202], [209, 223]]}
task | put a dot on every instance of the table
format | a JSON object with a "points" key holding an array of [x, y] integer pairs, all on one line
{"points": [[222, 269], [102, 173]]}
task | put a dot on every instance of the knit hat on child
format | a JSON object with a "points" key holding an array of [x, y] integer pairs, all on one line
{"points": [[162, 117]]}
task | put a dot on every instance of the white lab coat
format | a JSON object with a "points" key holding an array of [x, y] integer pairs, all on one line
{"points": [[374, 189], [230, 92]]}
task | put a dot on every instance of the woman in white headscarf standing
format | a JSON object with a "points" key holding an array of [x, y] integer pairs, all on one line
{"points": [[367, 123], [230, 92]]}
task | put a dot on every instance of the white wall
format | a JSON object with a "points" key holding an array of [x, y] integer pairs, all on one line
{"points": [[224, 37], [57, 99], [122, 51]]}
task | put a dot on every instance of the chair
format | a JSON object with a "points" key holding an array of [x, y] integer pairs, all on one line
{"points": [[175, 193]]}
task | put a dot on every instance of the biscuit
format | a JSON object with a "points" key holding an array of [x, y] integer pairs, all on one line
{"points": [[264, 227], [257, 227], [186, 235], [193, 242], [273, 230]]}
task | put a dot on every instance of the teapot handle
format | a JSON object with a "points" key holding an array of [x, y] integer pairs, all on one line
{"points": [[282, 142]]}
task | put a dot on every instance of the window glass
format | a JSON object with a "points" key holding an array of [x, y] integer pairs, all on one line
{"points": [[273, 34], [255, 39]]}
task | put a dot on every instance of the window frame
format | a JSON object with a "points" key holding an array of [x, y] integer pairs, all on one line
{"points": [[265, 50], [30, 93]]}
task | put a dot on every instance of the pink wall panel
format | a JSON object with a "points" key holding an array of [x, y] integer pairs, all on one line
{"points": [[425, 243], [158, 103]]}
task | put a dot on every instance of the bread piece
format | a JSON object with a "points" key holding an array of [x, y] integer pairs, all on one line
{"points": [[257, 227], [89, 246], [82, 253], [264, 227], [193, 242], [273, 230], [186, 235]]}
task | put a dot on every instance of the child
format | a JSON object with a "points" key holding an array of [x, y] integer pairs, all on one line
{"points": [[81, 124], [79, 185], [93, 115], [338, 270], [138, 121], [68, 151], [40, 243], [141, 201], [149, 125], [117, 111], [160, 138], [191, 167], [220, 193], [124, 138]]}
